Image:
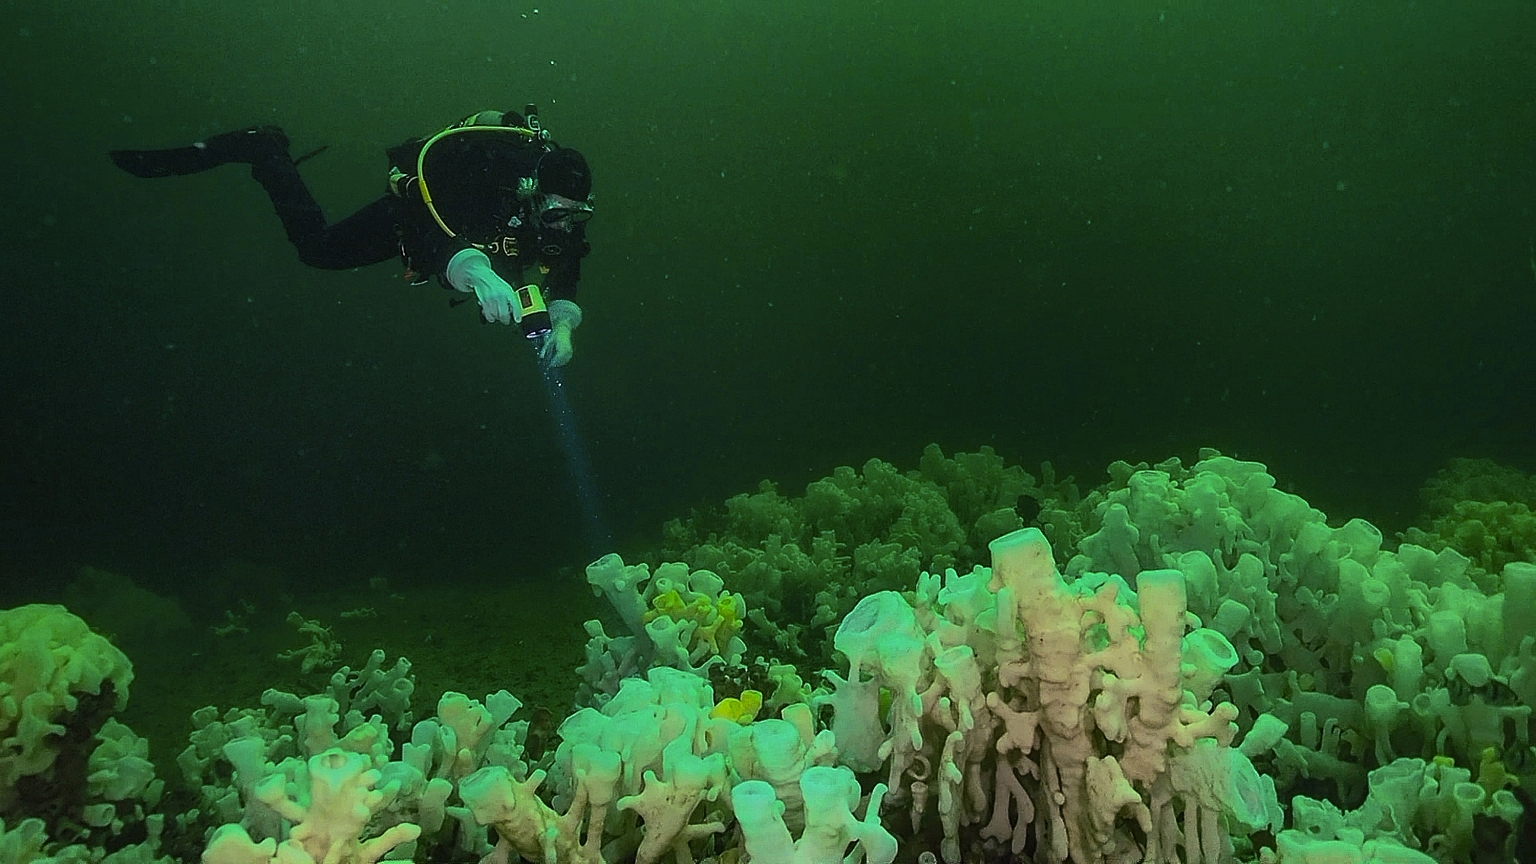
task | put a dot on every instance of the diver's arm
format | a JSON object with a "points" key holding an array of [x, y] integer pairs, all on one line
{"points": [[560, 281], [564, 318], [565, 269], [470, 271], [564, 315]]}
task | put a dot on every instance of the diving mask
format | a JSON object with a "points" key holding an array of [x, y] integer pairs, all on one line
{"points": [[557, 209]]}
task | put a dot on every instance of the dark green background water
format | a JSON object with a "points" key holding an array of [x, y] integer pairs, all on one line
{"points": [[1296, 231]]}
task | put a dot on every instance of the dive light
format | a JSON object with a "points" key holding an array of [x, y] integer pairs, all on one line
{"points": [[535, 314]]}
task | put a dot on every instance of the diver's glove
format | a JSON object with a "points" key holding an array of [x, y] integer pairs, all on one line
{"points": [[470, 270], [564, 317]]}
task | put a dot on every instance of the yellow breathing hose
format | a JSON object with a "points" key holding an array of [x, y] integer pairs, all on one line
{"points": [[421, 158]]}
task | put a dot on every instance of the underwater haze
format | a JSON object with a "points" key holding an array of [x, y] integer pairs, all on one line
{"points": [[1300, 232]]}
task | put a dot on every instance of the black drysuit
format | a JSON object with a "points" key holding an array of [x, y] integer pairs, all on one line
{"points": [[472, 177]]}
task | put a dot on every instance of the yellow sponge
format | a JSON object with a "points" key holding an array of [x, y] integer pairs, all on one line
{"points": [[48, 657]]}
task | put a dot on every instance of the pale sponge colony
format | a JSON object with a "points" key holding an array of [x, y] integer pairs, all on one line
{"points": [[959, 663], [73, 780], [1216, 674], [49, 661]]}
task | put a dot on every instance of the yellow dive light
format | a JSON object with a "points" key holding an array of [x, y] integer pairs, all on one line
{"points": [[535, 314]]}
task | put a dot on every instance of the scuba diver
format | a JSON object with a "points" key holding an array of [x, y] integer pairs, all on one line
{"points": [[477, 205]]}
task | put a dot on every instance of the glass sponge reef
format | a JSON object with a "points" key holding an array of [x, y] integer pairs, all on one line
{"points": [[958, 663]]}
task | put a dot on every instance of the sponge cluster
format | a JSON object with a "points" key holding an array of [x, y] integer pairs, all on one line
{"points": [[49, 659]]}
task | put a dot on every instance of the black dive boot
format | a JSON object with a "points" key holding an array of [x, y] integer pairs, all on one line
{"points": [[255, 145]]}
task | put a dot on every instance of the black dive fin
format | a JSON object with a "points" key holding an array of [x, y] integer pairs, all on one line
{"points": [[166, 163], [250, 145]]}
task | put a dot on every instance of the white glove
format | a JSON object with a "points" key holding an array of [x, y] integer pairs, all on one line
{"points": [[470, 271], [564, 317]]}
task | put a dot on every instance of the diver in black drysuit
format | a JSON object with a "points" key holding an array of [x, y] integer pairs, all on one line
{"points": [[480, 205]]}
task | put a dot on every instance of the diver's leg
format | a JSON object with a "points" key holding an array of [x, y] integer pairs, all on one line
{"points": [[303, 220], [366, 237]]}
